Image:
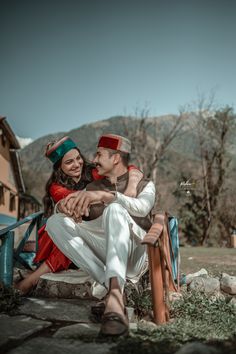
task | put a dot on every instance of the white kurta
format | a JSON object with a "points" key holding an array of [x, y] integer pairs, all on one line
{"points": [[108, 246]]}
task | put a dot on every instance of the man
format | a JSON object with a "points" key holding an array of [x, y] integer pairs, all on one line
{"points": [[107, 244]]}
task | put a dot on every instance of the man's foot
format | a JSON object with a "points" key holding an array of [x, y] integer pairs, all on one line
{"points": [[114, 324], [114, 321], [114, 302]]}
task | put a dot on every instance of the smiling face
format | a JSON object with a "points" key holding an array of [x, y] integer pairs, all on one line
{"points": [[105, 161], [72, 164]]}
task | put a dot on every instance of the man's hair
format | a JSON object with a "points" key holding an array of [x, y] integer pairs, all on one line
{"points": [[125, 157]]}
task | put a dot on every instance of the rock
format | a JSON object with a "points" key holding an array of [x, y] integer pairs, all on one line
{"points": [[133, 326], [130, 313], [201, 273], [210, 286], [197, 348], [174, 296], [19, 327], [228, 284], [233, 301], [147, 325]]}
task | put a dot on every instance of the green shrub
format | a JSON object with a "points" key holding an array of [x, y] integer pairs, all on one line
{"points": [[9, 299]]}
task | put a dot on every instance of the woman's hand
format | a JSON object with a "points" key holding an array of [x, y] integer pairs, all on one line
{"points": [[77, 204], [65, 206], [135, 177]]}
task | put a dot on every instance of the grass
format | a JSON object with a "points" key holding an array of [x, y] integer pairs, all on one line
{"points": [[214, 260], [9, 299], [194, 318]]}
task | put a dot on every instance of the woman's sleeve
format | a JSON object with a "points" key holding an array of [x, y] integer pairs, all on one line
{"points": [[95, 174], [133, 167], [59, 192]]}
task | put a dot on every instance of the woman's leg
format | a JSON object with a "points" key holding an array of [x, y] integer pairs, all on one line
{"points": [[45, 246], [28, 283], [57, 261]]}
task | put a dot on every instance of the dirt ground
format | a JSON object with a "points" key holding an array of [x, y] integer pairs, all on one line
{"points": [[214, 260]]}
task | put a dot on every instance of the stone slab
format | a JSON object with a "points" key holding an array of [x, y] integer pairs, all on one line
{"points": [[62, 310], [78, 330], [197, 348], [84, 330], [19, 327], [43, 345]]}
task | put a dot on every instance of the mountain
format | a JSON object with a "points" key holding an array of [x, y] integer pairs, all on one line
{"points": [[179, 158]]}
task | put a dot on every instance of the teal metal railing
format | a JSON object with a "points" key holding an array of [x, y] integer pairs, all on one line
{"points": [[8, 256]]}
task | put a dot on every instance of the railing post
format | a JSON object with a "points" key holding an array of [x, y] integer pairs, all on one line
{"points": [[160, 310], [6, 259]]}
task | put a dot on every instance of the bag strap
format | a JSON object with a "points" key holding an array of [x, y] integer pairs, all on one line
{"points": [[158, 235], [155, 231]]}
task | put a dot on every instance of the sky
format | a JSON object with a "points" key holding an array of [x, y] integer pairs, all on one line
{"points": [[65, 63]]}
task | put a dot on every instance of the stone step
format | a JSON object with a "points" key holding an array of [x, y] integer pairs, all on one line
{"points": [[68, 284]]}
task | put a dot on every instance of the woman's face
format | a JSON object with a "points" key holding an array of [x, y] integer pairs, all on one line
{"points": [[72, 164]]}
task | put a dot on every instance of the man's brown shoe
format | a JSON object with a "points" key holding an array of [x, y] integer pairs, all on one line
{"points": [[114, 324]]}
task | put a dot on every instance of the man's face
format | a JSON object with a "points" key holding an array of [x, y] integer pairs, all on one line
{"points": [[104, 162]]}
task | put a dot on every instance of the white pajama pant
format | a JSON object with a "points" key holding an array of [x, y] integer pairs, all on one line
{"points": [[106, 247]]}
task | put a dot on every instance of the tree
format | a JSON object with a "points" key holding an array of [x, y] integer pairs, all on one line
{"points": [[204, 219], [151, 138]]}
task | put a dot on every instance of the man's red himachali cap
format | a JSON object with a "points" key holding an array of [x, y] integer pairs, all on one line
{"points": [[115, 142]]}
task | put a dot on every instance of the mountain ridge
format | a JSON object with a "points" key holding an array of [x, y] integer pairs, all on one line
{"points": [[180, 156]]}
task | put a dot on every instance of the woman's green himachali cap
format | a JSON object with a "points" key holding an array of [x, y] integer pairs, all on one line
{"points": [[57, 150]]}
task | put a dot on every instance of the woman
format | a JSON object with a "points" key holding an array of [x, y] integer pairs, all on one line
{"points": [[71, 172]]}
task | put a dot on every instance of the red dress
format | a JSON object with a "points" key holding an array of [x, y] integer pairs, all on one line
{"points": [[47, 250]]}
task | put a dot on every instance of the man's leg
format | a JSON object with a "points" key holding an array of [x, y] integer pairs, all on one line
{"points": [[79, 244], [121, 253]]}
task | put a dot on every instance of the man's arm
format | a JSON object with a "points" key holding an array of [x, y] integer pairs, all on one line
{"points": [[142, 204], [78, 203]]}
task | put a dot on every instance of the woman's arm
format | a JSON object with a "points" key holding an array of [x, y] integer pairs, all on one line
{"points": [[59, 192], [135, 176]]}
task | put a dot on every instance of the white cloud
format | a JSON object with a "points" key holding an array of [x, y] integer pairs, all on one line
{"points": [[24, 141]]}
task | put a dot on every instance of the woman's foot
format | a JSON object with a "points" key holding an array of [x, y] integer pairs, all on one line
{"points": [[27, 284]]}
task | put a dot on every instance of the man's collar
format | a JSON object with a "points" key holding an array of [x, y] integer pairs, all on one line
{"points": [[123, 177]]}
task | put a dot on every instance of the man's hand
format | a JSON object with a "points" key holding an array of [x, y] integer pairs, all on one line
{"points": [[64, 206], [82, 204], [77, 204]]}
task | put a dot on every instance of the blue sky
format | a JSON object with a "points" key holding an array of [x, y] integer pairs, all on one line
{"points": [[71, 62]]}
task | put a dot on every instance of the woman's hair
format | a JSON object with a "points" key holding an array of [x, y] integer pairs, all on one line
{"points": [[58, 176]]}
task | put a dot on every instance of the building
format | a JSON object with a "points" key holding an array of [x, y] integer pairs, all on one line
{"points": [[11, 181]]}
